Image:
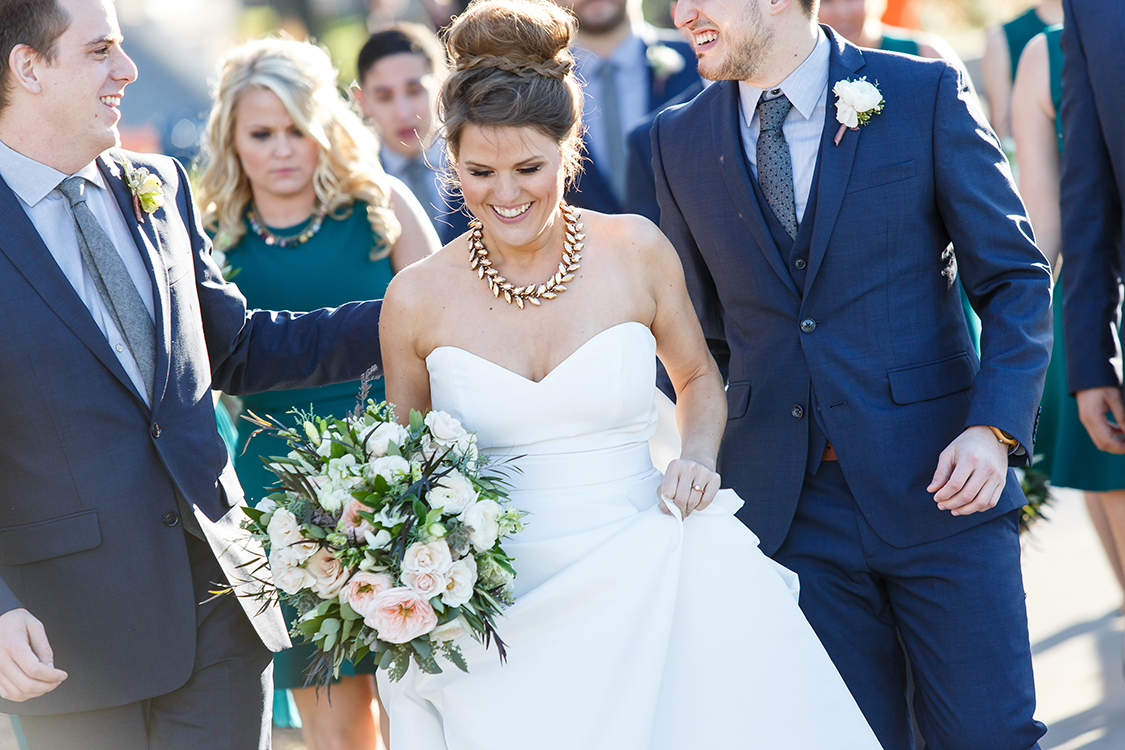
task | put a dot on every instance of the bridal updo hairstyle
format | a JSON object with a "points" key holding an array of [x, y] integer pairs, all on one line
{"points": [[512, 66]]}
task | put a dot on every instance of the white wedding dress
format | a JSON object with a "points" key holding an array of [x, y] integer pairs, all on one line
{"points": [[631, 629]]}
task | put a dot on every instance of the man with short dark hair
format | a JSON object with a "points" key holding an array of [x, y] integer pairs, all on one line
{"points": [[119, 508], [812, 192], [400, 72]]}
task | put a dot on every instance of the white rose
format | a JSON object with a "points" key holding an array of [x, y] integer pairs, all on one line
{"points": [[288, 576], [444, 428], [328, 573], [284, 530], [376, 438], [451, 630], [482, 518], [453, 494], [853, 98], [427, 558], [388, 467], [461, 578], [266, 505], [427, 585]]}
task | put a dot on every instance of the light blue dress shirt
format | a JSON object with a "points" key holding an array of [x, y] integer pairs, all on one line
{"points": [[807, 89], [633, 90], [34, 185]]}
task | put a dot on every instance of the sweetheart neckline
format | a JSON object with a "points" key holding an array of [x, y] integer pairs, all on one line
{"points": [[554, 369]]}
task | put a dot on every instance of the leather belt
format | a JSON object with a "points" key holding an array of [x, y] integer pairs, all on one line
{"points": [[829, 453]]}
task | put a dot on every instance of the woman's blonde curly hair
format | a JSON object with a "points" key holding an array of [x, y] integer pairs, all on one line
{"points": [[303, 78]]}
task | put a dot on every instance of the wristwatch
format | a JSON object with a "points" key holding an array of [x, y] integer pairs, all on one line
{"points": [[1004, 437]]}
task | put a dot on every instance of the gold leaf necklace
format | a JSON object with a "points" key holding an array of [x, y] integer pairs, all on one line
{"points": [[553, 287]]}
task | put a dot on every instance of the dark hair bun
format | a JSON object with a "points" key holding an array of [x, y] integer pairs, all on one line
{"points": [[525, 37]]}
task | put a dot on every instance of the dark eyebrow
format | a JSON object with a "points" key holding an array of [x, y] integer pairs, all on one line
{"points": [[107, 39], [537, 157]]}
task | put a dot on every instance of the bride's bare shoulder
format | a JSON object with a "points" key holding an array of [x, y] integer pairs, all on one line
{"points": [[413, 288], [633, 235]]}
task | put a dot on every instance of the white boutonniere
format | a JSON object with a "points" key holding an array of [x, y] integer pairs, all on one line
{"points": [[147, 190], [856, 102], [664, 61]]}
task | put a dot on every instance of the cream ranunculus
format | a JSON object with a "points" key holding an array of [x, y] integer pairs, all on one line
{"points": [[451, 630], [428, 585], [427, 558], [461, 578], [362, 588], [453, 494], [444, 428], [482, 518], [388, 467], [376, 438]]}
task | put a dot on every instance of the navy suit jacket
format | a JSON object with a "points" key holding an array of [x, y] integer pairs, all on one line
{"points": [[876, 332], [592, 189], [90, 471], [1093, 183]]}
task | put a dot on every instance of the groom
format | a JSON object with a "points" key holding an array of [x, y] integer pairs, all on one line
{"points": [[117, 501], [870, 443]]}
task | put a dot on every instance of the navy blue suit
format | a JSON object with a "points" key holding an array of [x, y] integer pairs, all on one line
{"points": [[90, 537], [1093, 184], [592, 190], [855, 335]]}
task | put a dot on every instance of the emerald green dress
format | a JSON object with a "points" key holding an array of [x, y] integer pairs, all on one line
{"points": [[897, 42], [1019, 31], [1064, 450], [333, 267]]}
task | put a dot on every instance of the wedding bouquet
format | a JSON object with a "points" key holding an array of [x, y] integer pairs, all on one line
{"points": [[385, 538]]}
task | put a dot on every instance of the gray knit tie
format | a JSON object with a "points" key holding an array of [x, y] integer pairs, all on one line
{"points": [[775, 165], [616, 164], [112, 279]]}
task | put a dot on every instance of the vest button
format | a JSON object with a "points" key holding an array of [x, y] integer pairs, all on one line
{"points": [[798, 411], [808, 325], [170, 519], [156, 429], [800, 264]]}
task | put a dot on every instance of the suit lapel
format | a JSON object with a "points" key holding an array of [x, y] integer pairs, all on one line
{"points": [[23, 246], [147, 241], [835, 161], [727, 135]]}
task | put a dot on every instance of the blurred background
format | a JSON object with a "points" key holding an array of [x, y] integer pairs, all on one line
{"points": [[176, 45]]}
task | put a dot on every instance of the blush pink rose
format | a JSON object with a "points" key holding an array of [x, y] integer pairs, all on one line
{"points": [[351, 523], [401, 615], [363, 588], [328, 574], [429, 584]]}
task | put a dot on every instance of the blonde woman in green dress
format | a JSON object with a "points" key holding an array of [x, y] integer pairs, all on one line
{"points": [[294, 194]]}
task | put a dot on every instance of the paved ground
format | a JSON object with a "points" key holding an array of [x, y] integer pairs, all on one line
{"points": [[1076, 637]]}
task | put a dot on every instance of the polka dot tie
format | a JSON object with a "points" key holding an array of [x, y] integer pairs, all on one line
{"points": [[775, 166]]}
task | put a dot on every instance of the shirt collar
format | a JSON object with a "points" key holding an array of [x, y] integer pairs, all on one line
{"points": [[629, 53], [394, 162], [33, 181], [804, 87]]}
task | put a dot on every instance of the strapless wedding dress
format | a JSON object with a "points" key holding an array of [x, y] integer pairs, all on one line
{"points": [[631, 629]]}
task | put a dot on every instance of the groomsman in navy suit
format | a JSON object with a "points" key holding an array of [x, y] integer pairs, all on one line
{"points": [[119, 508], [631, 69], [872, 446], [1093, 184]]}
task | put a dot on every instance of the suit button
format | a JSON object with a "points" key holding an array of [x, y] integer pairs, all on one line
{"points": [[808, 325], [800, 264], [798, 411], [170, 519], [156, 429]]}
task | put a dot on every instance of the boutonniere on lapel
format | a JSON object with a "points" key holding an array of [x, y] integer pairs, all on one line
{"points": [[147, 190], [664, 61], [856, 102]]}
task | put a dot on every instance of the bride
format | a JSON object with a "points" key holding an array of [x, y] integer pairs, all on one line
{"points": [[639, 622]]}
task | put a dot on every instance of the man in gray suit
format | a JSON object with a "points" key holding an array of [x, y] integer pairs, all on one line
{"points": [[118, 504]]}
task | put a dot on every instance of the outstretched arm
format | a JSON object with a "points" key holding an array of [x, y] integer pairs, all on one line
{"points": [[405, 374]]}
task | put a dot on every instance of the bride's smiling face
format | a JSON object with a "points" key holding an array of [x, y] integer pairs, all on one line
{"points": [[512, 180]]}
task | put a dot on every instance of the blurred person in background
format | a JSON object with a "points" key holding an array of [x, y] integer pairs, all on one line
{"points": [[1064, 450], [1093, 183], [630, 69], [400, 71], [1003, 46], [295, 196]]}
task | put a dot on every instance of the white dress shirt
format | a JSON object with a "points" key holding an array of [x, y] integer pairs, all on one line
{"points": [[34, 185], [807, 90]]}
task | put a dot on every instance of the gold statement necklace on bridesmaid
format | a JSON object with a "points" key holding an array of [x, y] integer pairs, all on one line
{"points": [[553, 287], [277, 240]]}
